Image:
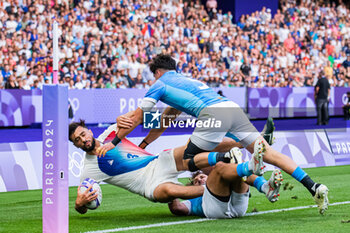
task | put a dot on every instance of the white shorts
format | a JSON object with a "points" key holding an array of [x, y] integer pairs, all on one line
{"points": [[214, 208], [160, 171], [143, 181], [233, 120]]}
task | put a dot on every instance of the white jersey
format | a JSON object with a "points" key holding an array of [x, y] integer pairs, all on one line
{"points": [[130, 167]]}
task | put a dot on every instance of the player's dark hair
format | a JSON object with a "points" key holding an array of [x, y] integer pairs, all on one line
{"points": [[74, 125], [194, 175], [162, 61]]}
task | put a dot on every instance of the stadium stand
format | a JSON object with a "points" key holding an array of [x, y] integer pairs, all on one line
{"points": [[107, 44]]}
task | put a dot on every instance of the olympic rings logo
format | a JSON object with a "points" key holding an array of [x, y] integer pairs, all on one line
{"points": [[76, 163]]}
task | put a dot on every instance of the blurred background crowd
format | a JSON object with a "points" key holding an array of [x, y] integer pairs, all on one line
{"points": [[108, 43]]}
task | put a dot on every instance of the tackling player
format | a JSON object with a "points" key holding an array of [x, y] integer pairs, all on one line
{"points": [[198, 100]]}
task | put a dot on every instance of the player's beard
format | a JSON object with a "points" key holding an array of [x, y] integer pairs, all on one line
{"points": [[91, 148]]}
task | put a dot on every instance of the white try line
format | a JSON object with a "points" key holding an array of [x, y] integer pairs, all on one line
{"points": [[208, 219]]}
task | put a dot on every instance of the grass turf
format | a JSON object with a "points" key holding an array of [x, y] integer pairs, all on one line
{"points": [[21, 211]]}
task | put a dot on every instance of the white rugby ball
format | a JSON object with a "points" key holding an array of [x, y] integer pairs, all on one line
{"points": [[95, 186]]}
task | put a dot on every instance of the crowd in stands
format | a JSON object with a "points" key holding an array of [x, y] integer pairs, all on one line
{"points": [[108, 43]]}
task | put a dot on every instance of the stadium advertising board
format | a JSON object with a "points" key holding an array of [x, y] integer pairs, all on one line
{"points": [[291, 102], [340, 144], [21, 108]]}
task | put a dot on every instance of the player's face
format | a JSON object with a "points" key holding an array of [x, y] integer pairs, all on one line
{"points": [[83, 139], [200, 179], [157, 74]]}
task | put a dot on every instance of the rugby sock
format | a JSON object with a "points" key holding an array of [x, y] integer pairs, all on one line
{"points": [[299, 174], [310, 184], [214, 157], [259, 184], [243, 170], [303, 178]]}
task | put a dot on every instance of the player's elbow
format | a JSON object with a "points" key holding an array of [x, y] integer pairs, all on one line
{"points": [[81, 210], [178, 210], [137, 120]]}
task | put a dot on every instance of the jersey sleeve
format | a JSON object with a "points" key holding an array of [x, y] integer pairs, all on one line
{"points": [[196, 207], [187, 203], [156, 91], [105, 134]]}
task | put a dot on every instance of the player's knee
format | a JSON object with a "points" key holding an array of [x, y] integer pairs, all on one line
{"points": [[240, 212], [219, 168]]}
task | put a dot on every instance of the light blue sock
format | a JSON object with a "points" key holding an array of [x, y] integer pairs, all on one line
{"points": [[243, 170], [299, 174], [212, 158], [258, 183]]}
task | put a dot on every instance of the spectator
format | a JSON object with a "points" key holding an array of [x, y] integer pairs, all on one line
{"points": [[103, 37], [322, 94], [346, 107], [11, 83]]}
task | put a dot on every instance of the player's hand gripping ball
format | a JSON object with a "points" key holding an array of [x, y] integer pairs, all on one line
{"points": [[95, 186]]}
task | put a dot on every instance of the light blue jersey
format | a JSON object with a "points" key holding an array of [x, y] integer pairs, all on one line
{"points": [[185, 94], [196, 207]]}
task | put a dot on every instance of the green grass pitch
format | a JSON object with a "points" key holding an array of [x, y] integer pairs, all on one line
{"points": [[21, 211]]}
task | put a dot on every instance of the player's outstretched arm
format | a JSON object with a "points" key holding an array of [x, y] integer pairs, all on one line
{"points": [[84, 198], [136, 117], [125, 121], [168, 115], [178, 208]]}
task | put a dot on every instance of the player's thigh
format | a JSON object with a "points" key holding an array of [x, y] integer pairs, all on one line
{"points": [[164, 171], [213, 207], [238, 204], [215, 122], [242, 128], [207, 139], [216, 184]]}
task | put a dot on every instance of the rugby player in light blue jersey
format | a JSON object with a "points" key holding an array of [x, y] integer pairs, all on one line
{"points": [[197, 99]]}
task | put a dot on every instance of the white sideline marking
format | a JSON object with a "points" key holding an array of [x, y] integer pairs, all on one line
{"points": [[208, 219]]}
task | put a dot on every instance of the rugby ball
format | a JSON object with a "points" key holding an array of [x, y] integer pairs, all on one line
{"points": [[95, 186]]}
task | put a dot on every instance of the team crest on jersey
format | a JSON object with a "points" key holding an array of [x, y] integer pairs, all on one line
{"points": [[151, 120]]}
